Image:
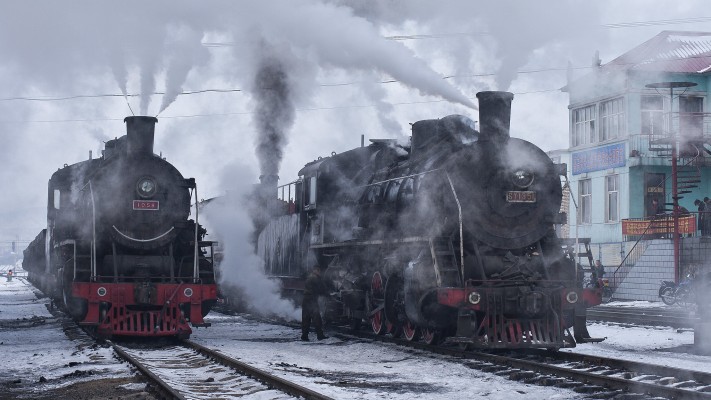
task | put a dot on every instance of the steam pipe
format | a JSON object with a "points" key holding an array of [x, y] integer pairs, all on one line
{"points": [[461, 229], [93, 235], [196, 271], [74, 242], [115, 260]]}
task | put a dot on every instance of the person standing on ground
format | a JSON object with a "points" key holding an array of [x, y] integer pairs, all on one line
{"points": [[9, 275], [313, 288]]}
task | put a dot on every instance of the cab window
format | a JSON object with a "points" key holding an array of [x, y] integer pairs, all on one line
{"points": [[57, 201], [312, 191]]}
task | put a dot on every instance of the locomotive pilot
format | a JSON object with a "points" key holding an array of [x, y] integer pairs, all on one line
{"points": [[313, 288]]}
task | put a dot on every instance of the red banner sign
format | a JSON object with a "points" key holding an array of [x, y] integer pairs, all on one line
{"points": [[151, 205], [663, 224]]}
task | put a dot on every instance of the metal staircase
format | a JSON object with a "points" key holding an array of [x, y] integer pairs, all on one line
{"points": [[445, 262], [688, 165]]}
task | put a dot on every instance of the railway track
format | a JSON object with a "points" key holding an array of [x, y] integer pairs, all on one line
{"points": [[188, 370], [598, 377], [673, 316]]}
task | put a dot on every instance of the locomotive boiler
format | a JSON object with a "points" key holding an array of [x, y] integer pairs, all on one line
{"points": [[119, 250], [450, 235]]}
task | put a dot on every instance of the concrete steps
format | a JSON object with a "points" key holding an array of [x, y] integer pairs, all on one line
{"points": [[654, 265]]}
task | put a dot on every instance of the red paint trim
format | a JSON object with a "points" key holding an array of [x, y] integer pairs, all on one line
{"points": [[166, 321]]}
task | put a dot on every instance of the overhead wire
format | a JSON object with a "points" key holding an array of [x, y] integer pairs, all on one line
{"points": [[337, 84]]}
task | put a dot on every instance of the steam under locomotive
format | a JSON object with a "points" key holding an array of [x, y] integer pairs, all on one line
{"points": [[449, 236], [119, 250]]}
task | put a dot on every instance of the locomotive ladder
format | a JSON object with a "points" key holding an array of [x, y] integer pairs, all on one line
{"points": [[445, 262]]}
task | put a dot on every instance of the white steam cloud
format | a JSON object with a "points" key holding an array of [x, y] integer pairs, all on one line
{"points": [[185, 52], [229, 220]]}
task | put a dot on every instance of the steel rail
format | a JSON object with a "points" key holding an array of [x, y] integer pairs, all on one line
{"points": [[583, 377], [703, 378], [641, 316], [605, 381], [258, 374], [165, 390]]}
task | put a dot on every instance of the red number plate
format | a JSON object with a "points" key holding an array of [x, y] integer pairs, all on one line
{"points": [[521, 197], [145, 205]]}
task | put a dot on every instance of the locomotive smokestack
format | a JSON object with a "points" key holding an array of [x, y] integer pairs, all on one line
{"points": [[494, 115], [140, 132], [268, 191]]}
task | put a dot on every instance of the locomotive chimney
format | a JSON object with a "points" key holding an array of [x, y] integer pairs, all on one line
{"points": [[139, 132], [268, 191], [494, 115]]}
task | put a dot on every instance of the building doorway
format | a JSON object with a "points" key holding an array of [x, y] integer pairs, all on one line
{"points": [[655, 195]]}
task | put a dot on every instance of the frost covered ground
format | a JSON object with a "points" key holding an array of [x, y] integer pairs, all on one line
{"points": [[35, 348], [355, 369], [37, 357]]}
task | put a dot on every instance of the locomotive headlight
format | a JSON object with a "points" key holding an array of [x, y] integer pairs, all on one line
{"points": [[522, 178], [146, 187], [474, 297], [188, 292], [101, 291], [572, 297]]}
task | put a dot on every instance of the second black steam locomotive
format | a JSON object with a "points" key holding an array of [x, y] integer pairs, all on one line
{"points": [[451, 235], [119, 250]]}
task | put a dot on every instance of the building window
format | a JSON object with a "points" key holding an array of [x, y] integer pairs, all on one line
{"points": [[691, 117], [584, 125], [612, 204], [585, 201], [652, 115], [612, 119]]}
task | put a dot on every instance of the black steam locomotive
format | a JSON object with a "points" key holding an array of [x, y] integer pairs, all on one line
{"points": [[119, 250], [451, 235]]}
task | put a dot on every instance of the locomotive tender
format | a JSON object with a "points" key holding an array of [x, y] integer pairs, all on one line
{"points": [[119, 250], [450, 236]]}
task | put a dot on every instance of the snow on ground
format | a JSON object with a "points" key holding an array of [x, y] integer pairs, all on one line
{"points": [[34, 345], [651, 344], [357, 369], [635, 304]]}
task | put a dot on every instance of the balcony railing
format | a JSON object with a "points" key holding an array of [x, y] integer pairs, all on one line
{"points": [[689, 128]]}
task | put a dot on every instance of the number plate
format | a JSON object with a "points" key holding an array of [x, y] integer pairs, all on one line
{"points": [[151, 205], [521, 197]]}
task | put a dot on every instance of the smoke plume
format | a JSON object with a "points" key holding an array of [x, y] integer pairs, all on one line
{"points": [[274, 113]]}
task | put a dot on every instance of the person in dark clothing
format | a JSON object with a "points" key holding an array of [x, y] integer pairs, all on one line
{"points": [[707, 216], [701, 218], [313, 288], [598, 272]]}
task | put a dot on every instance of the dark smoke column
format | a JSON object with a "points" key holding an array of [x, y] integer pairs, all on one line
{"points": [[274, 114]]}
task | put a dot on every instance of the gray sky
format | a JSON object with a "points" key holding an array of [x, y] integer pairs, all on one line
{"points": [[335, 54]]}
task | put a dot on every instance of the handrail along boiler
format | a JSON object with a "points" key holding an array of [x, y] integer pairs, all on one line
{"points": [[450, 236], [119, 250]]}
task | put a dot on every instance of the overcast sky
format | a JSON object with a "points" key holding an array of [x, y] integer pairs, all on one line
{"points": [[349, 67]]}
